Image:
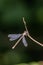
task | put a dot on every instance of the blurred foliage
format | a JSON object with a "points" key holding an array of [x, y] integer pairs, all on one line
{"points": [[22, 64], [34, 63], [11, 58], [11, 13], [39, 14]]}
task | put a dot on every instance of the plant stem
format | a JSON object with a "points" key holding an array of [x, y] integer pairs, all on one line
{"points": [[29, 34]]}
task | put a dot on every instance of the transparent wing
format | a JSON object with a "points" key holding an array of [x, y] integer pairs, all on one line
{"points": [[24, 42], [14, 36]]}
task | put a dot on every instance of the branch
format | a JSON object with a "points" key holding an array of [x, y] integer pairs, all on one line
{"points": [[29, 34]]}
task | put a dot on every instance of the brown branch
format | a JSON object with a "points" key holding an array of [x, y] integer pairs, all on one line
{"points": [[29, 34]]}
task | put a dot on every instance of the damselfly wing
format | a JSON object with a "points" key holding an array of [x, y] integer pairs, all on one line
{"points": [[14, 36], [24, 42]]}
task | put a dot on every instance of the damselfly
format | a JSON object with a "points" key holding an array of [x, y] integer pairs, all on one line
{"points": [[22, 37]]}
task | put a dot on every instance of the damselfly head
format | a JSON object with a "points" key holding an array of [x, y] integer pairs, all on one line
{"points": [[25, 33]]}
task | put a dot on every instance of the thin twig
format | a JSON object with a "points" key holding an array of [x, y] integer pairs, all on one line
{"points": [[29, 34], [35, 40]]}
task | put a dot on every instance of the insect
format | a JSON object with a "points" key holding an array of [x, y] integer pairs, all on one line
{"points": [[22, 37]]}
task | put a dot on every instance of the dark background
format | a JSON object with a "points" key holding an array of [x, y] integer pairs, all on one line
{"points": [[11, 14]]}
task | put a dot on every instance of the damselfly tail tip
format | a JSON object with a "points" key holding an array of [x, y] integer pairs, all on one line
{"points": [[42, 45], [12, 47]]}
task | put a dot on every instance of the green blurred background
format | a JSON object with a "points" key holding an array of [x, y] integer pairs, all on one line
{"points": [[11, 13]]}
